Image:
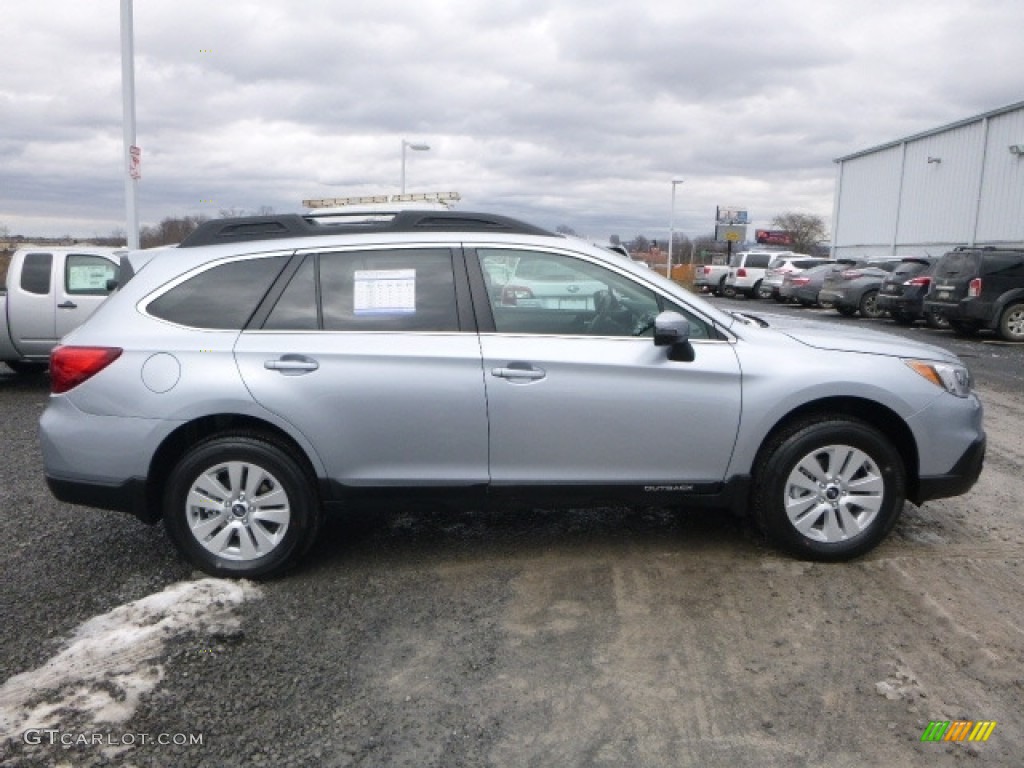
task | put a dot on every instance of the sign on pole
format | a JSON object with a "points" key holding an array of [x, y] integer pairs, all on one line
{"points": [[135, 162]]}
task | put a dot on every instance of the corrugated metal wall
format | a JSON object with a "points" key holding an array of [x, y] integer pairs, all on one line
{"points": [[1001, 213], [931, 192]]}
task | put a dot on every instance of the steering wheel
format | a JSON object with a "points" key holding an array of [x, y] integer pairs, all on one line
{"points": [[605, 303]]}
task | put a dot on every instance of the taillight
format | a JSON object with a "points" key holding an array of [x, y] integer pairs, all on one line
{"points": [[801, 280], [974, 289], [925, 281], [707, 270], [70, 366], [511, 294], [741, 272]]}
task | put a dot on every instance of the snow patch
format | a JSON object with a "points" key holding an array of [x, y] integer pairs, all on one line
{"points": [[113, 659]]}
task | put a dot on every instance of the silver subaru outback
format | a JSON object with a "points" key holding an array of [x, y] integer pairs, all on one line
{"points": [[268, 369]]}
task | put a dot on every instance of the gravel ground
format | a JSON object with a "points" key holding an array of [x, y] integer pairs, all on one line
{"points": [[437, 637]]}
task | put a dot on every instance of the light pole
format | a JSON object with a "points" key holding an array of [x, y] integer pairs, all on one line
{"points": [[412, 146], [131, 152], [672, 227]]}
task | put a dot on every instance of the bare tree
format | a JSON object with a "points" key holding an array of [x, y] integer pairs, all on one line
{"points": [[170, 230], [807, 230]]}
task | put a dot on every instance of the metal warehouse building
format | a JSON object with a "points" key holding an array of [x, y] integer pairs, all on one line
{"points": [[961, 184]]}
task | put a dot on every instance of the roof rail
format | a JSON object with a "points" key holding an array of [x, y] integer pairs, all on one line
{"points": [[253, 228]]}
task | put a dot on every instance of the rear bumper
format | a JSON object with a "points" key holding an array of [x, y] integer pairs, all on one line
{"points": [[965, 309], [959, 480], [129, 496], [910, 306]]}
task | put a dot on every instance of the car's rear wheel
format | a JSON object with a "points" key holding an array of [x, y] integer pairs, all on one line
{"points": [[936, 320], [869, 305], [721, 287], [241, 505], [829, 490], [1011, 324], [755, 292]]}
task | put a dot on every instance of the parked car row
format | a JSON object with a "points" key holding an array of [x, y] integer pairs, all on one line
{"points": [[967, 289]]}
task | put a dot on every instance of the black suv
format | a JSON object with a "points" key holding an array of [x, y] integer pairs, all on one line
{"points": [[980, 288], [903, 291]]}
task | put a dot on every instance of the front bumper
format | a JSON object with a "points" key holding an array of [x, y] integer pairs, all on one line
{"points": [[959, 480]]}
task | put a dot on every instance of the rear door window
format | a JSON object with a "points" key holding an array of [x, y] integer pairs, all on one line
{"points": [[396, 290]]}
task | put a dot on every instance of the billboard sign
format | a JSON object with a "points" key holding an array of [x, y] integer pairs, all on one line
{"points": [[731, 234], [731, 215], [773, 236]]}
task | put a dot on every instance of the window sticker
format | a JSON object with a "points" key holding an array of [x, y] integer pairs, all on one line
{"points": [[384, 291], [89, 277]]}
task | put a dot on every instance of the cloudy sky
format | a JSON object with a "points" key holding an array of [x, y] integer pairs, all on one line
{"points": [[575, 113]]}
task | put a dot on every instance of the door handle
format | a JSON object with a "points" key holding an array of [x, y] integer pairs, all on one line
{"points": [[516, 372], [292, 365], [67, 305]]}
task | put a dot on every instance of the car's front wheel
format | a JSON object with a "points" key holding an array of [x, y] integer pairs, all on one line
{"points": [[829, 490], [242, 506]]}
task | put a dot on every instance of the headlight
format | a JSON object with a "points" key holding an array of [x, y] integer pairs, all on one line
{"points": [[955, 379]]}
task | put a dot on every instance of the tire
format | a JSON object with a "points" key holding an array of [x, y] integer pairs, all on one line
{"points": [[214, 525], [721, 287], [936, 320], [846, 311], [779, 298], [729, 291], [755, 292], [1011, 324], [828, 490], [902, 318], [869, 305], [26, 367], [965, 327]]}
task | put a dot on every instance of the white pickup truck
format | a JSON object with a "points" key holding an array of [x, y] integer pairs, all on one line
{"points": [[49, 292]]}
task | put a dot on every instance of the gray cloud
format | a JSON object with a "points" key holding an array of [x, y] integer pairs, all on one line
{"points": [[573, 113]]}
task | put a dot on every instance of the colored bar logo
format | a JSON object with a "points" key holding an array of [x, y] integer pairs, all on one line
{"points": [[958, 730]]}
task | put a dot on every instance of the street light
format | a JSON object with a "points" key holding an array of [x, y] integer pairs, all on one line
{"points": [[672, 227], [412, 146]]}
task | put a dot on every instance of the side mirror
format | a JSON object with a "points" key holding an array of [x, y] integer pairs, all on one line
{"points": [[672, 330]]}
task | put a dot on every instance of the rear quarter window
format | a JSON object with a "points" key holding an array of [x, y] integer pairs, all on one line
{"points": [[1003, 265], [223, 297], [758, 260], [35, 273]]}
